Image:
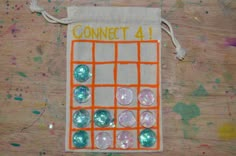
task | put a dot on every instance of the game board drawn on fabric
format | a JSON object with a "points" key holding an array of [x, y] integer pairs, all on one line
{"points": [[113, 91]]}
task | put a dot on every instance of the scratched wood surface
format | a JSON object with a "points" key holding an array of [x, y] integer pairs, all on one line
{"points": [[199, 93]]}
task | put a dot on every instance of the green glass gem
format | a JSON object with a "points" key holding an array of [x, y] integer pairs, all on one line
{"points": [[102, 118], [80, 139], [81, 118], [82, 94], [147, 138], [82, 73]]}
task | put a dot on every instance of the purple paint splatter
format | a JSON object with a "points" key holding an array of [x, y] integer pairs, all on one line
{"points": [[230, 42]]}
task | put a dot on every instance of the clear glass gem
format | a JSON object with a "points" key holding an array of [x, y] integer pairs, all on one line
{"points": [[80, 139], [81, 118], [102, 118], [125, 139], [103, 140], [124, 96], [147, 119], [82, 73], [147, 138], [82, 94], [146, 97], [127, 118]]}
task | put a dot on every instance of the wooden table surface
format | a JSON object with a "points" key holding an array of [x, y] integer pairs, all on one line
{"points": [[199, 93]]}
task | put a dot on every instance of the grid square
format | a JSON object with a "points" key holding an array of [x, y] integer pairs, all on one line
{"points": [[73, 125], [83, 51], [104, 96], [104, 52], [154, 90], [96, 132], [155, 145], [76, 104], [127, 74], [155, 113], [89, 142], [89, 81], [104, 74], [148, 74], [134, 101], [127, 52], [133, 132], [112, 115], [120, 111], [149, 52]]}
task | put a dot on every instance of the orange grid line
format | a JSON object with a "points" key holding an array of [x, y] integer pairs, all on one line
{"points": [[112, 107], [115, 85], [138, 91], [118, 85], [93, 91], [113, 62], [115, 89], [109, 128]]}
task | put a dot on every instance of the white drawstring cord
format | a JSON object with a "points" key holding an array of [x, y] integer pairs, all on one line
{"points": [[35, 8], [180, 52]]}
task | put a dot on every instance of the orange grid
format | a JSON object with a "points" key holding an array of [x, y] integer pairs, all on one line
{"points": [[93, 85]]}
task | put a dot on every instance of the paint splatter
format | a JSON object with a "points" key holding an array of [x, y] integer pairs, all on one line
{"points": [[187, 112], [18, 98], [49, 1], [36, 112], [209, 123], [15, 144], [228, 76], [230, 42], [22, 74], [200, 91], [179, 4], [227, 131], [166, 94], [217, 80], [9, 96], [113, 154], [38, 59]]}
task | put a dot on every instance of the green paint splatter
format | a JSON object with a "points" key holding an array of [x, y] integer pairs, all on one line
{"points": [[36, 112], [179, 4], [49, 1], [209, 123], [187, 112], [15, 144], [9, 96], [39, 14], [217, 80], [113, 154], [166, 94], [38, 59], [228, 76], [200, 91], [18, 98], [22, 74], [1, 21]]}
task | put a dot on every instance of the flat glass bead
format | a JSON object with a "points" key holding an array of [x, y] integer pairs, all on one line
{"points": [[82, 73], [124, 96], [147, 119], [103, 140], [80, 139], [147, 138], [82, 94], [81, 118], [127, 119], [146, 97], [102, 118], [125, 139]]}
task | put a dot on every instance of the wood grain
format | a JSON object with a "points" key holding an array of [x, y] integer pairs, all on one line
{"points": [[199, 93]]}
